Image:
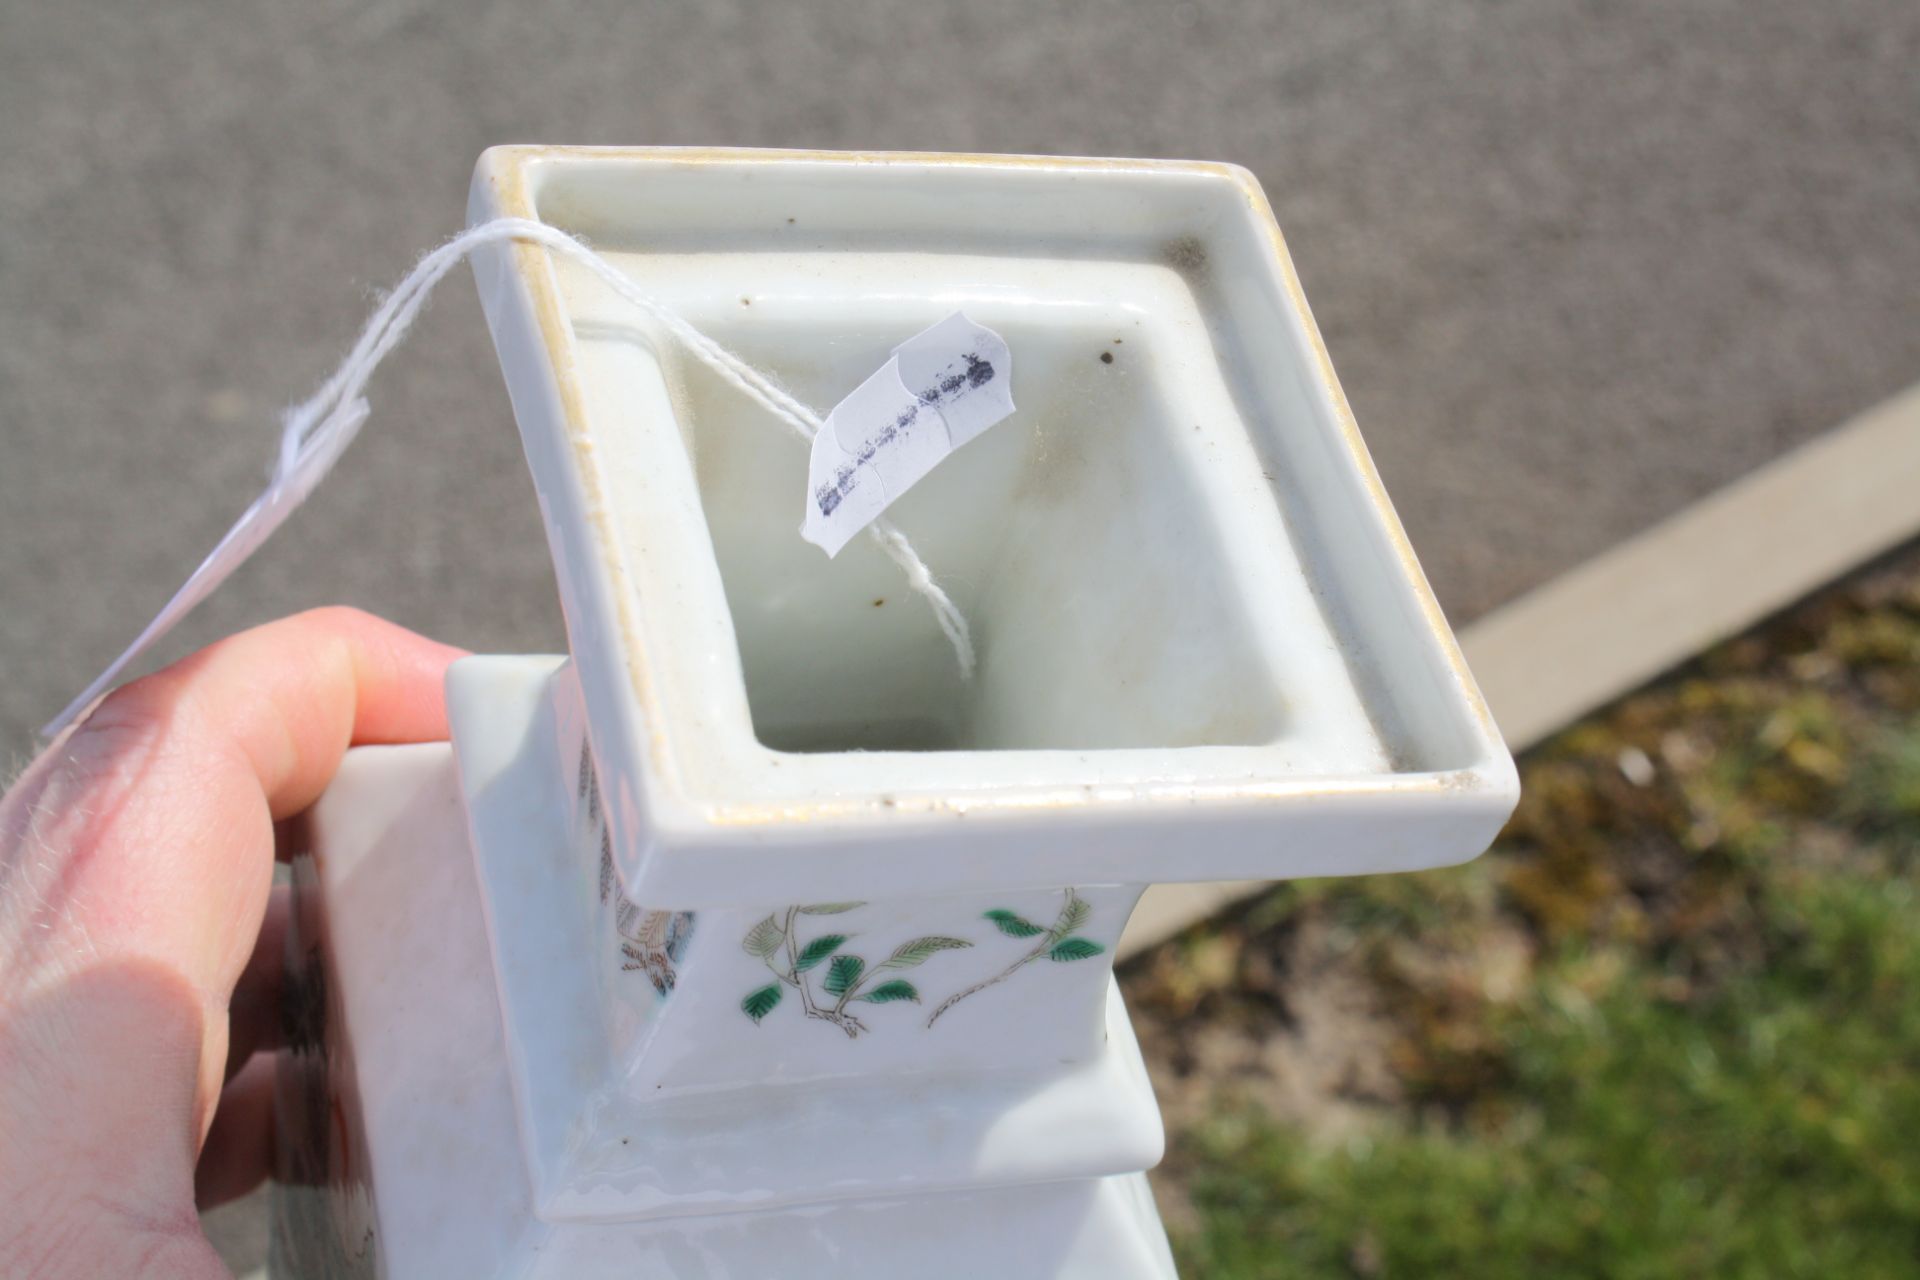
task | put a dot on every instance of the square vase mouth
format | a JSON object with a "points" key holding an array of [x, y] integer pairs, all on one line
{"points": [[1088, 540], [1195, 611]]}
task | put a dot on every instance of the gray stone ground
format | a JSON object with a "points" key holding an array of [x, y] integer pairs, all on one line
{"points": [[1578, 263]]}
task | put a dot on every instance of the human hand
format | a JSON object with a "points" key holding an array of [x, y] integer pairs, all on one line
{"points": [[140, 934]]}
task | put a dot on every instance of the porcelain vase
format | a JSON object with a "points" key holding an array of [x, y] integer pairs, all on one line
{"points": [[752, 937]]}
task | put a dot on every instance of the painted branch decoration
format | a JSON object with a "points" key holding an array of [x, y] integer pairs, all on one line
{"points": [[1057, 943], [848, 979]]}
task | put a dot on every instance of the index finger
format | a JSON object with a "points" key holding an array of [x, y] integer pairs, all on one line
{"points": [[291, 696], [149, 825]]}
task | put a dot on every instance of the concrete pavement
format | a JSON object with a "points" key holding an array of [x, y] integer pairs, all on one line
{"points": [[1577, 264]]}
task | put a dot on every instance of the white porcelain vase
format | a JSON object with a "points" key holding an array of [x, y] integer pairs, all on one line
{"points": [[750, 938]]}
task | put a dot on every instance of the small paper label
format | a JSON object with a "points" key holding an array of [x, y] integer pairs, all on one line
{"points": [[941, 388]]}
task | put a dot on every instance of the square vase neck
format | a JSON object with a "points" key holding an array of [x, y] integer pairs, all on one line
{"points": [[1205, 648]]}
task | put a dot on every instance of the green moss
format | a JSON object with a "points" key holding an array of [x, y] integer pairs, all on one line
{"points": [[1765, 1130]]}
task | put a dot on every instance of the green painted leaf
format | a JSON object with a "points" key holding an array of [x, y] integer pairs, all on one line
{"points": [[888, 992], [1072, 916], [764, 938], [909, 954], [758, 1004], [1012, 925], [1074, 949], [817, 950], [829, 908], [843, 973]]}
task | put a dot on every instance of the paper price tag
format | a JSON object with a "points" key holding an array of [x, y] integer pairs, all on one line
{"points": [[940, 389]]}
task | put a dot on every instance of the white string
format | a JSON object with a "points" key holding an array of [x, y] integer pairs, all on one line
{"points": [[317, 431]]}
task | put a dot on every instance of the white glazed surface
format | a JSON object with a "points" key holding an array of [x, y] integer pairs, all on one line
{"points": [[1206, 649], [450, 1192], [1131, 586], [637, 1103]]}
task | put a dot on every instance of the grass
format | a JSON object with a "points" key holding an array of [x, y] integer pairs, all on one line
{"points": [[1710, 1064]]}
